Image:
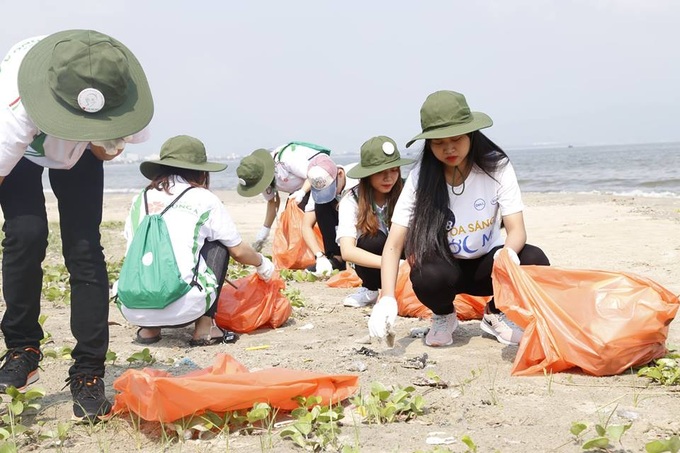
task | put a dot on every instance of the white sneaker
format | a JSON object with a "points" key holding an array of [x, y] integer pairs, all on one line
{"points": [[498, 325], [441, 332], [361, 298]]}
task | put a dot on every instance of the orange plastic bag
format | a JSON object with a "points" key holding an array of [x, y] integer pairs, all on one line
{"points": [[345, 279], [156, 395], [467, 307], [289, 249], [254, 304], [602, 322]]}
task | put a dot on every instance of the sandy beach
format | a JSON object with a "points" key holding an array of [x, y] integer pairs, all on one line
{"points": [[498, 411]]}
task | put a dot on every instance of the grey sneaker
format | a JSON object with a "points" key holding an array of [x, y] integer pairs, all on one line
{"points": [[505, 331], [20, 368], [441, 331], [361, 298]]}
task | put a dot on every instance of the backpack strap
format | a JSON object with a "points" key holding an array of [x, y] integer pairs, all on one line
{"points": [[146, 202], [173, 201], [318, 148], [355, 192]]}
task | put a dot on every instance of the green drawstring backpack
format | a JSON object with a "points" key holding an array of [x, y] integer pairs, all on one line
{"points": [[150, 277]]}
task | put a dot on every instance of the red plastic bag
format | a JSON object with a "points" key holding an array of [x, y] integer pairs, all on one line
{"points": [[345, 279], [467, 307], [254, 304], [602, 322], [156, 395], [289, 249]]}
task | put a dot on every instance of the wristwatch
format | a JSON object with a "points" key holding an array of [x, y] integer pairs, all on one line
{"points": [[318, 254]]}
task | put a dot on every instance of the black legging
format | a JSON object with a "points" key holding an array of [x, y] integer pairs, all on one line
{"points": [[373, 244], [327, 219], [437, 282], [216, 256]]}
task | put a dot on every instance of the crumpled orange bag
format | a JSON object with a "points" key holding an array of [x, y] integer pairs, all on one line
{"points": [[345, 279], [602, 322], [156, 395], [467, 307], [289, 250], [254, 304]]}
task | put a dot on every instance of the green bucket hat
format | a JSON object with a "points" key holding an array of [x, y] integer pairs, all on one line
{"points": [[377, 154], [255, 173], [446, 114], [82, 85], [181, 151]]}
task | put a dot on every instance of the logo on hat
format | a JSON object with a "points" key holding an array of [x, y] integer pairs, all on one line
{"points": [[91, 100], [388, 148]]}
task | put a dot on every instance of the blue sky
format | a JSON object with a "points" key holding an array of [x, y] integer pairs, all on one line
{"points": [[241, 75]]}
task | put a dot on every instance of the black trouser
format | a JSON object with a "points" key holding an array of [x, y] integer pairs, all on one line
{"points": [[437, 282], [370, 277], [79, 192], [216, 256], [327, 219]]}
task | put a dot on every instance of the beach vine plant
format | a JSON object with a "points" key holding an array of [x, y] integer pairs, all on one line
{"points": [[316, 427], [605, 435], [143, 357], [665, 371], [12, 431], [669, 445], [388, 404]]}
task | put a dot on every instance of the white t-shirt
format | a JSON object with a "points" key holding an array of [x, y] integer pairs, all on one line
{"points": [[17, 130], [348, 214], [478, 210], [196, 217], [350, 183], [290, 168]]}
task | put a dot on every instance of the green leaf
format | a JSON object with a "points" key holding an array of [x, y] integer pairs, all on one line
{"points": [[470, 444], [577, 428], [671, 445], [616, 431], [598, 442]]}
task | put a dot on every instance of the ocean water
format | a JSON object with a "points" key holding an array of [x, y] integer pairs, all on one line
{"points": [[641, 170]]}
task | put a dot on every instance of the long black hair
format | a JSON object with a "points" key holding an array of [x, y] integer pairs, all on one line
{"points": [[426, 239]]}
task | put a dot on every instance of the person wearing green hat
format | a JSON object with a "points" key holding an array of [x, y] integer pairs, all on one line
{"points": [[71, 100], [283, 169], [365, 214], [203, 237], [448, 222]]}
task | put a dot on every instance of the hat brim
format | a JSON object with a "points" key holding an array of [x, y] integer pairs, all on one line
{"points": [[326, 195], [358, 172], [479, 121], [267, 175], [55, 118], [152, 168]]}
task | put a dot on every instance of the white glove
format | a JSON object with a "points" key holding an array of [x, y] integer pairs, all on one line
{"points": [[261, 238], [298, 195], [112, 147], [265, 269], [511, 252], [383, 317], [323, 266]]}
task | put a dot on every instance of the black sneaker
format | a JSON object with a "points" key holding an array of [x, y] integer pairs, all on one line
{"points": [[20, 368], [89, 398]]}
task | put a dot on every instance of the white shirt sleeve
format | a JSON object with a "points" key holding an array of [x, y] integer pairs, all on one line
{"points": [[403, 210], [347, 217], [221, 226], [509, 195], [17, 131]]}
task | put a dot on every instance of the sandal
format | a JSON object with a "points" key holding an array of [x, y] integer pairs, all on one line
{"points": [[224, 336], [147, 340]]}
